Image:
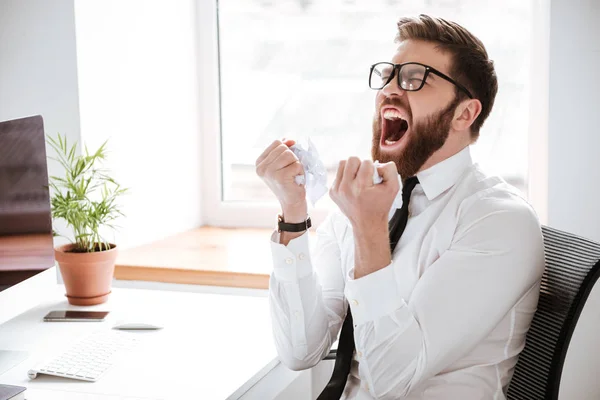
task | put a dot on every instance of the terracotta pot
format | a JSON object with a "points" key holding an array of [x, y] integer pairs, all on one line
{"points": [[87, 276]]}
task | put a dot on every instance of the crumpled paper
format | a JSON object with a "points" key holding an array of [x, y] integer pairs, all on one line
{"points": [[315, 173], [377, 179]]}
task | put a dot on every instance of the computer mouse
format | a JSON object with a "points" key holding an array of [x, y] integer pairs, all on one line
{"points": [[136, 325]]}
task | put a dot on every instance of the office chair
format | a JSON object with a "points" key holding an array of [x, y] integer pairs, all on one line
{"points": [[572, 269]]}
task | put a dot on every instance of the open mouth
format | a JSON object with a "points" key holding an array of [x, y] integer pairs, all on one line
{"points": [[394, 127]]}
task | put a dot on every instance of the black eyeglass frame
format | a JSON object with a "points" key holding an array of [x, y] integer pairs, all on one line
{"points": [[428, 70]]}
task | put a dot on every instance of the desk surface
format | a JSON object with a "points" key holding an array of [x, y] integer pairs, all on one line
{"points": [[211, 345]]}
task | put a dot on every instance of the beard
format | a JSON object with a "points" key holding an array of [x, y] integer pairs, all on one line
{"points": [[426, 137]]}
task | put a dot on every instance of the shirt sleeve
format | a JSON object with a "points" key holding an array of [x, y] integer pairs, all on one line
{"points": [[307, 309], [496, 257]]}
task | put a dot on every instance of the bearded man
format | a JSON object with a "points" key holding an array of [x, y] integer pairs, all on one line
{"points": [[433, 299]]}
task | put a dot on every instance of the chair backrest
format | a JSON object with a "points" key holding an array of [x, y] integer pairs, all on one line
{"points": [[572, 268]]}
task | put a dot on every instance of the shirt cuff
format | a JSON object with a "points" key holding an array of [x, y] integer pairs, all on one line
{"points": [[373, 296], [291, 262]]}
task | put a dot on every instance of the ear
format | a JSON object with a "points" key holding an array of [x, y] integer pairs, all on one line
{"points": [[465, 114]]}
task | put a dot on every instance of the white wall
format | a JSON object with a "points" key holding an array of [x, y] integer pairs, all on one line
{"points": [[38, 65], [130, 76], [573, 130], [137, 88], [574, 164]]}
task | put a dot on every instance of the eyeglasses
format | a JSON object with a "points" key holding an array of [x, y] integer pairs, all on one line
{"points": [[411, 76]]}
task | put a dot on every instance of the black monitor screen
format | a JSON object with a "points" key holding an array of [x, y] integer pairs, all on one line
{"points": [[26, 245]]}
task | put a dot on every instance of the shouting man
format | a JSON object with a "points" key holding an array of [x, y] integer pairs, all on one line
{"points": [[433, 299]]}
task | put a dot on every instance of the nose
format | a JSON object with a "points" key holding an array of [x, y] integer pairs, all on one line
{"points": [[392, 88]]}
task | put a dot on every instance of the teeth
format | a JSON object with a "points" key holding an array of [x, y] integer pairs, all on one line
{"points": [[390, 142], [391, 113]]}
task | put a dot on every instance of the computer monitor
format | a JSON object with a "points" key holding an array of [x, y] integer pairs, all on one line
{"points": [[26, 243]]}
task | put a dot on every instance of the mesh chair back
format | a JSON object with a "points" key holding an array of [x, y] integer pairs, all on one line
{"points": [[572, 268]]}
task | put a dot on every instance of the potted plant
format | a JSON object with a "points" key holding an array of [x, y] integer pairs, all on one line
{"points": [[85, 197]]}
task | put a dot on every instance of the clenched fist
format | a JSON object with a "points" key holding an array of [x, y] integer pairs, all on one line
{"points": [[363, 202], [277, 166]]}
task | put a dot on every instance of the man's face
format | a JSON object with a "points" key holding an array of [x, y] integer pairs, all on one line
{"points": [[408, 127]]}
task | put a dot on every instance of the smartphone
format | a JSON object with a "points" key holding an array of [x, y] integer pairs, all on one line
{"points": [[69, 315]]}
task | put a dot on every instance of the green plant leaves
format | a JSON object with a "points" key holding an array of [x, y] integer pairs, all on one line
{"points": [[86, 196]]}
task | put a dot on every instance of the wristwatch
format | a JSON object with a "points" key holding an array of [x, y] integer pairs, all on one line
{"points": [[283, 226]]}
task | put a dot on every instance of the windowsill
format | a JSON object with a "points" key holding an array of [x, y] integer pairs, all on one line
{"points": [[230, 257]]}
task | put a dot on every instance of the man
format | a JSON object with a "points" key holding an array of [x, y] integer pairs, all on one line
{"points": [[444, 313]]}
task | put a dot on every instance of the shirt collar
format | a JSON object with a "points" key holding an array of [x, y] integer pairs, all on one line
{"points": [[440, 177]]}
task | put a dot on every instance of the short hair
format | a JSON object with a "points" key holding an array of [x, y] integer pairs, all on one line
{"points": [[471, 65]]}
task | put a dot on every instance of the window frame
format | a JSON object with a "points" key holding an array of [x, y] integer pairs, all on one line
{"points": [[539, 105], [217, 212]]}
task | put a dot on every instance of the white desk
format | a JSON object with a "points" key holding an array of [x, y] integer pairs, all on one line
{"points": [[212, 345]]}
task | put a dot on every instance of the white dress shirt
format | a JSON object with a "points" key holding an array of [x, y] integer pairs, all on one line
{"points": [[446, 319]]}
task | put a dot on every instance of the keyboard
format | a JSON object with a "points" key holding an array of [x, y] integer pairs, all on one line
{"points": [[89, 358]]}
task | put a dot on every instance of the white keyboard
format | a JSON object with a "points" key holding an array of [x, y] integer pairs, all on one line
{"points": [[88, 359]]}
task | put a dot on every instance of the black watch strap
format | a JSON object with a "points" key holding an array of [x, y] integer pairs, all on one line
{"points": [[287, 227]]}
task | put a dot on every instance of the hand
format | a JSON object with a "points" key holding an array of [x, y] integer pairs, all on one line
{"points": [[364, 203], [278, 166]]}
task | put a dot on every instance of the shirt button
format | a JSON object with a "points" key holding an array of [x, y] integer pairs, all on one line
{"points": [[301, 256], [359, 354], [355, 302], [367, 386], [297, 314], [288, 260]]}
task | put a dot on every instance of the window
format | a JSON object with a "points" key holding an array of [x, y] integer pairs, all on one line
{"points": [[299, 68]]}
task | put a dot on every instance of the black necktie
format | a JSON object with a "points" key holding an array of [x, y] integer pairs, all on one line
{"points": [[345, 350]]}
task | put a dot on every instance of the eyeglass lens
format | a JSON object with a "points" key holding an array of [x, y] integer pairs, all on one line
{"points": [[411, 76]]}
